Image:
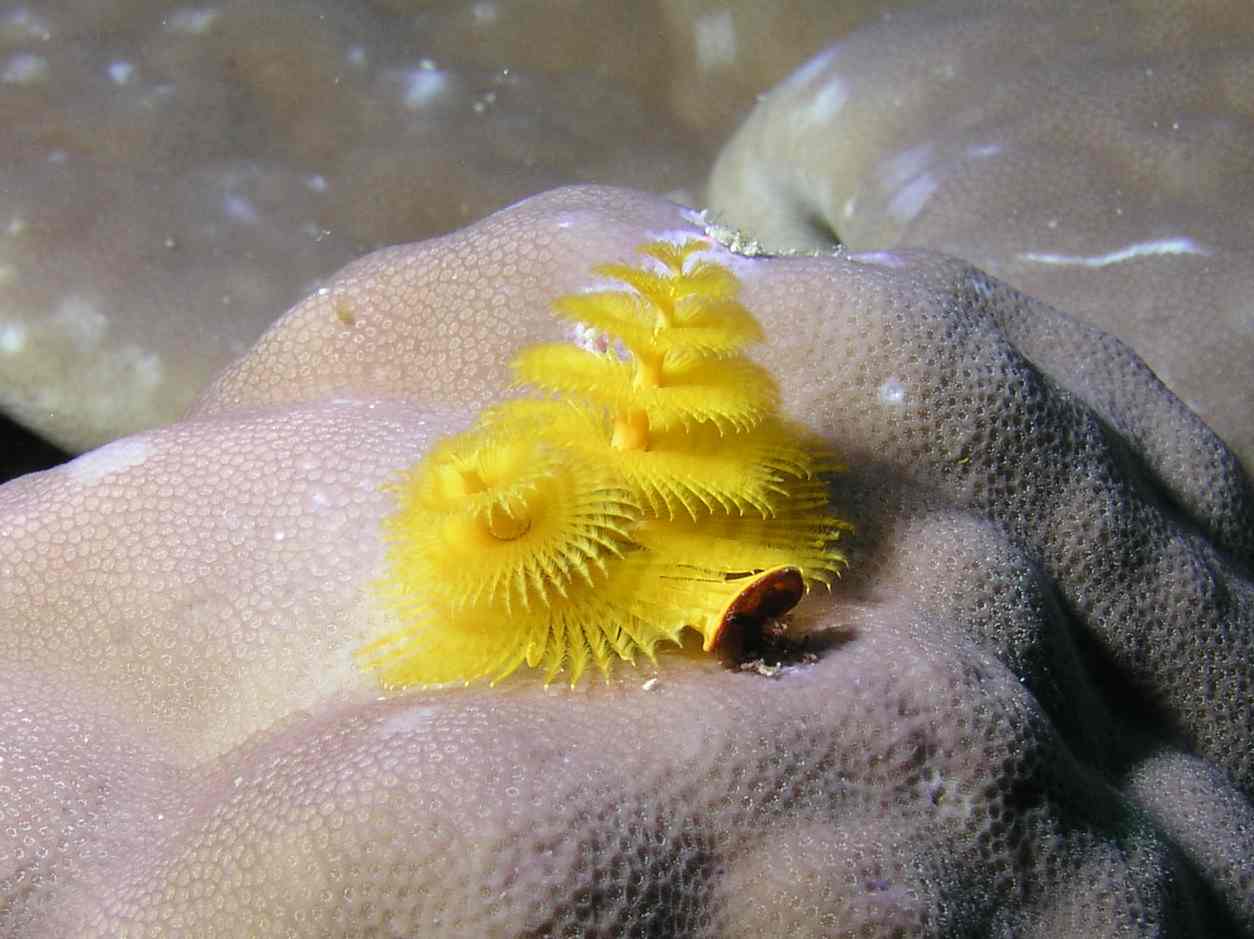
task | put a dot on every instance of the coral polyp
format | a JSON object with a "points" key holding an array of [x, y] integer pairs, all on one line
{"points": [[655, 490]]}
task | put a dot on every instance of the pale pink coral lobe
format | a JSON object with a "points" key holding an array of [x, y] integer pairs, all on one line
{"points": [[1050, 547]]}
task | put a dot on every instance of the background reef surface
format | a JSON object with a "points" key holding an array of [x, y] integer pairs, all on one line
{"points": [[176, 175]]}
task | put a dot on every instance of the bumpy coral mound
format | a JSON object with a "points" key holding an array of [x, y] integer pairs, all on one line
{"points": [[1096, 155], [1025, 710]]}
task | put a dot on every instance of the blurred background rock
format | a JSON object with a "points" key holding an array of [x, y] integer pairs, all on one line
{"points": [[173, 177]]}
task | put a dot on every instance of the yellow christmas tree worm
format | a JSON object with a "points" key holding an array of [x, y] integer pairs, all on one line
{"points": [[657, 489]]}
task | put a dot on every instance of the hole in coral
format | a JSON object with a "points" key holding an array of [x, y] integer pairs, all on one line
{"points": [[25, 452], [769, 646]]}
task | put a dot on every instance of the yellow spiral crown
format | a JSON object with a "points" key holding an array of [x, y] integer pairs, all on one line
{"points": [[652, 492]]}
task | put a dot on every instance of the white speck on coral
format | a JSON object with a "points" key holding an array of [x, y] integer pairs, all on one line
{"points": [[16, 226], [279, 534], [485, 14], [827, 103], [81, 322], [112, 458], [651, 684], [121, 72], [715, 37], [878, 258], [21, 25], [191, 22], [892, 393], [24, 68], [1141, 249], [316, 182], [411, 720], [12, 338], [851, 204], [239, 209], [908, 201], [356, 56], [984, 151], [423, 85]]}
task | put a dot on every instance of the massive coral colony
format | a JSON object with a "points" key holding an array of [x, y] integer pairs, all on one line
{"points": [[652, 490]]}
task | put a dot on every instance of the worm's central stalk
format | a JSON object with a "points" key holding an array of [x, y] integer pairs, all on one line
{"points": [[648, 371], [664, 316], [503, 526], [631, 430]]}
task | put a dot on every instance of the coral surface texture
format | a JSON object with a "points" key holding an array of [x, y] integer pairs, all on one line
{"points": [[1096, 155], [1024, 709]]}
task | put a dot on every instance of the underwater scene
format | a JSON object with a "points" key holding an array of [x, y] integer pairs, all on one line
{"points": [[586, 468]]}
